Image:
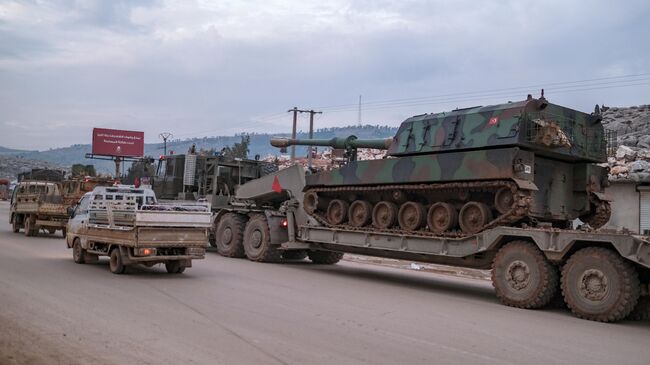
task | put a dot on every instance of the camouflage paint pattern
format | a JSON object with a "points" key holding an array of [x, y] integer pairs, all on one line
{"points": [[511, 124]]}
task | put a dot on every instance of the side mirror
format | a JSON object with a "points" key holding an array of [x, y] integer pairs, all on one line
{"points": [[71, 212]]}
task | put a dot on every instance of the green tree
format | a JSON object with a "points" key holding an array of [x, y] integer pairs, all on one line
{"points": [[239, 149]]}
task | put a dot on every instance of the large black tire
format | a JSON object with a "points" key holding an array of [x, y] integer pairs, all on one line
{"points": [[257, 241], [522, 277], [229, 235], [174, 267], [325, 257], [115, 264], [78, 253], [294, 255], [641, 311], [599, 285]]}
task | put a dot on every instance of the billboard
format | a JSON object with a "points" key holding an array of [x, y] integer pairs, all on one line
{"points": [[115, 142]]}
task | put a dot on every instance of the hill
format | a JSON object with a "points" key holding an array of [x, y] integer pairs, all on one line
{"points": [[259, 145], [11, 151]]}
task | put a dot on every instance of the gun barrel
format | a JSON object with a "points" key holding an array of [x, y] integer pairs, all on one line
{"points": [[337, 142]]}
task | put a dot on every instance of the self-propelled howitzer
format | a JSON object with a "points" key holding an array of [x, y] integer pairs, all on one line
{"points": [[460, 172]]}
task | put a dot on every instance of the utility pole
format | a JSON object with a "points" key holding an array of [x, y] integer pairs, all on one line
{"points": [[359, 110], [293, 131], [310, 149], [165, 136]]}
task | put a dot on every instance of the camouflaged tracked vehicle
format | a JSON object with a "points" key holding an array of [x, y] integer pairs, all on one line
{"points": [[461, 172]]}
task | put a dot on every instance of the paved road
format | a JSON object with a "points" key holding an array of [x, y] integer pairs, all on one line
{"points": [[227, 311]]}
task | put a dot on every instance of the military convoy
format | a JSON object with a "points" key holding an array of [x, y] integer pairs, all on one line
{"points": [[497, 187]]}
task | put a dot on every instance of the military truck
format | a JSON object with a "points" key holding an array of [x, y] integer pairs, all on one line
{"points": [[41, 200], [209, 178], [131, 227], [531, 164]]}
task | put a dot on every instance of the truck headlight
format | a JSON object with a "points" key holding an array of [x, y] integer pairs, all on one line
{"points": [[195, 251], [144, 251]]}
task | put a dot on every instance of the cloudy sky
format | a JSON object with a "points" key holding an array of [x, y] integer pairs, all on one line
{"points": [[199, 67]]}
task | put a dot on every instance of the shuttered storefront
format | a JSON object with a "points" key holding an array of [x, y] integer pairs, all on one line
{"points": [[644, 207]]}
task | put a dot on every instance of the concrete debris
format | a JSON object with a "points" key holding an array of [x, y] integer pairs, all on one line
{"points": [[631, 162]]}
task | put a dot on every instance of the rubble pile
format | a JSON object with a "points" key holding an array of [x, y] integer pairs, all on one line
{"points": [[11, 166], [632, 159], [629, 163]]}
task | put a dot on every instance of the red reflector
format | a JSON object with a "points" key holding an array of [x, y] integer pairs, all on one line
{"points": [[285, 223], [276, 185]]}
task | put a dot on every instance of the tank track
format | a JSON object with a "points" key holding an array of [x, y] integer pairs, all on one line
{"points": [[519, 210]]}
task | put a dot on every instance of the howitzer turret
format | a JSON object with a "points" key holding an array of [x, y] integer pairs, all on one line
{"points": [[460, 172]]}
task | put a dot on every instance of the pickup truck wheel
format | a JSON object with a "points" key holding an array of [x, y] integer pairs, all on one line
{"points": [[599, 285], [230, 235], [257, 241], [325, 257], [29, 227], [522, 277], [115, 264], [78, 253], [174, 267]]}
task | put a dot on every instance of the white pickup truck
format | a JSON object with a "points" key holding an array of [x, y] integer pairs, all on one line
{"points": [[131, 227]]}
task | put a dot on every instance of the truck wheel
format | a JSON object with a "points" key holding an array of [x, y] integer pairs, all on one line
{"points": [[15, 226], [174, 267], [115, 264], [29, 227], [522, 277], [294, 255], [230, 235], [325, 257], [257, 241], [641, 311], [600, 285], [78, 253]]}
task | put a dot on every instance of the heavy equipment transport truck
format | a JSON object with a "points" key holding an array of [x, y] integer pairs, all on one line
{"points": [[600, 275], [131, 227]]}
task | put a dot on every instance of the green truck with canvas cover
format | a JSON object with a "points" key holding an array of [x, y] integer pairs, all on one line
{"points": [[487, 188]]}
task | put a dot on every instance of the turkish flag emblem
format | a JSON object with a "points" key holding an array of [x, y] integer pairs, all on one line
{"points": [[276, 185], [493, 121]]}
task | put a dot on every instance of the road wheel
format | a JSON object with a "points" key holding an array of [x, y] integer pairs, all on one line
{"points": [[174, 267], [115, 264], [599, 285], [257, 241], [384, 215], [325, 257], [411, 216], [522, 277], [360, 213], [442, 217], [504, 200], [294, 255], [230, 235], [78, 253], [473, 216], [337, 211]]}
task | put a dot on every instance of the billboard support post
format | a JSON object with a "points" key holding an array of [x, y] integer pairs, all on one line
{"points": [[117, 145]]}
